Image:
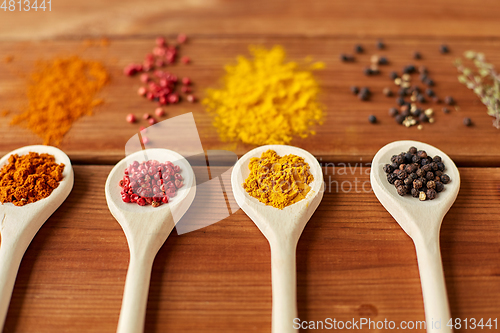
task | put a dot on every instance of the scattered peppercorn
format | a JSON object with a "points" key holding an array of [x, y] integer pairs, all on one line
{"points": [[449, 100], [467, 122], [444, 49], [358, 48], [417, 55], [346, 57], [446, 110], [393, 112], [387, 92], [372, 119], [131, 118], [383, 61], [355, 90], [415, 172], [380, 45], [393, 75]]}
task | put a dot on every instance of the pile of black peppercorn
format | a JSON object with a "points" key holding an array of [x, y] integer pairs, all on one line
{"points": [[414, 172]]}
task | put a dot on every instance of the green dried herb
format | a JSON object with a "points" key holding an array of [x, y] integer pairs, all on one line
{"points": [[485, 82]]}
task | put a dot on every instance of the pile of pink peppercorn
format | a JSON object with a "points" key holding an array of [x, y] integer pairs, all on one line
{"points": [[159, 85], [150, 183]]}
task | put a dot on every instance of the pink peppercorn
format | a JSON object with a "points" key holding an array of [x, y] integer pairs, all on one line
{"points": [[144, 77], [142, 91], [150, 95], [160, 41], [186, 89], [145, 140], [182, 38], [191, 98], [185, 60], [131, 118], [146, 116], [143, 129], [152, 121], [132, 69], [159, 112], [186, 81], [173, 98]]}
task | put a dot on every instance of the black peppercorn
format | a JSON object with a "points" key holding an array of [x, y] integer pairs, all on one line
{"points": [[398, 182], [412, 150], [426, 168], [408, 169], [346, 58], [437, 159], [358, 48], [430, 92], [372, 119], [363, 97], [439, 187], [423, 180], [402, 175], [400, 101], [467, 122], [422, 154], [399, 118], [417, 55], [434, 166], [423, 118], [438, 173], [445, 179], [400, 159], [420, 172], [444, 49], [387, 92], [368, 71], [415, 159], [446, 110], [431, 194], [401, 190], [409, 69], [431, 184], [393, 75], [354, 90], [391, 178], [421, 98], [423, 77], [417, 183], [414, 192], [402, 92], [383, 61], [380, 45], [388, 168], [429, 175], [429, 82], [424, 162], [449, 100], [408, 181], [393, 112], [441, 166]]}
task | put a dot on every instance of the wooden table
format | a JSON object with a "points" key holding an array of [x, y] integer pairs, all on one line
{"points": [[353, 259]]}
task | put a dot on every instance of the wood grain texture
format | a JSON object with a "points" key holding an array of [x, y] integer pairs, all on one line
{"points": [[345, 136], [353, 260], [282, 17]]}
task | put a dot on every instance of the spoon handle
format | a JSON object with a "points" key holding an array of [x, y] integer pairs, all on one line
{"points": [[11, 255], [437, 310], [135, 296], [284, 286]]}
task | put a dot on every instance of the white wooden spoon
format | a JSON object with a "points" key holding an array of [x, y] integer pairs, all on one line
{"points": [[146, 229], [282, 228], [18, 225], [421, 220]]}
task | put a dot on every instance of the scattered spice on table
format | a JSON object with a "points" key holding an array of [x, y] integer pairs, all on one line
{"points": [[4, 113], [29, 178], [278, 181], [485, 83], [411, 97], [8, 59], [159, 85], [61, 91], [418, 174], [266, 100], [150, 183]]}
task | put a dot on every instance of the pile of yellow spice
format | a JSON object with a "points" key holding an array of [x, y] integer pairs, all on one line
{"points": [[266, 100], [278, 181]]}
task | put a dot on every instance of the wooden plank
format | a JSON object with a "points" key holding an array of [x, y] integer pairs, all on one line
{"points": [[346, 135], [365, 17], [353, 261]]}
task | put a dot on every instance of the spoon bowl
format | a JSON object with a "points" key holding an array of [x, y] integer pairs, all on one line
{"points": [[282, 228], [421, 220], [19, 224], [146, 229]]}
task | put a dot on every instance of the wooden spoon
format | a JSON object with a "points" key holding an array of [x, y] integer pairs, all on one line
{"points": [[18, 225], [146, 229], [422, 222], [282, 228]]}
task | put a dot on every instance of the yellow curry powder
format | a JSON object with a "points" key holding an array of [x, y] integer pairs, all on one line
{"points": [[265, 100], [61, 91], [29, 178], [278, 181]]}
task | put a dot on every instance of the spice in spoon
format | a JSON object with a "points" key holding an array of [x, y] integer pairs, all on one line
{"points": [[416, 173], [278, 181], [150, 183], [29, 178]]}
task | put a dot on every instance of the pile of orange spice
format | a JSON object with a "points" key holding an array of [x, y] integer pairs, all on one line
{"points": [[59, 92], [29, 178]]}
